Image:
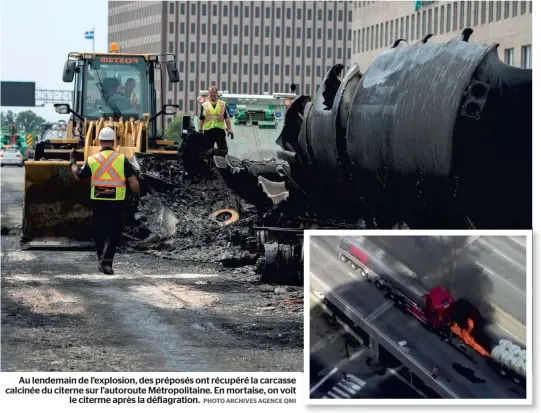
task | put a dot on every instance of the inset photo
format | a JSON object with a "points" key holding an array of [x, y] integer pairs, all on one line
{"points": [[419, 315]]}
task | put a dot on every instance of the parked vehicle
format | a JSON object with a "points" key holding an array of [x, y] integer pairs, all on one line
{"points": [[11, 156]]}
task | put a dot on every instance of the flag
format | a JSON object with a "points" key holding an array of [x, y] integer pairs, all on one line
{"points": [[89, 34], [418, 4]]}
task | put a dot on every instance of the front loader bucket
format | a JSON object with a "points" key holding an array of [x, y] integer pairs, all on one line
{"points": [[56, 211]]}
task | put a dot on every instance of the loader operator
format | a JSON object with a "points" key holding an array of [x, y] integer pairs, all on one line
{"points": [[128, 90], [108, 172], [211, 121]]}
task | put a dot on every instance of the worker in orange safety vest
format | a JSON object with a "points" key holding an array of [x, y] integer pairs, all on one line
{"points": [[108, 171], [128, 90]]}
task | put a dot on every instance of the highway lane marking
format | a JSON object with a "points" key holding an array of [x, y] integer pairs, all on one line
{"points": [[502, 279], [518, 241], [323, 380], [496, 251], [389, 341], [379, 311], [513, 320]]}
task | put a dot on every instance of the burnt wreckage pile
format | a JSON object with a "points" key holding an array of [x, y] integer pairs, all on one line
{"points": [[206, 221], [433, 136]]}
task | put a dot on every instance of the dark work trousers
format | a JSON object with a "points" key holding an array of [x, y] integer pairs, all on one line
{"points": [[217, 135], [107, 227]]}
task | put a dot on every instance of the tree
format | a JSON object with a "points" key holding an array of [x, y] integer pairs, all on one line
{"points": [[29, 121], [174, 130], [7, 118]]}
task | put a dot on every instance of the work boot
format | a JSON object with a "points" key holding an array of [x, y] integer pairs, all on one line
{"points": [[106, 269]]}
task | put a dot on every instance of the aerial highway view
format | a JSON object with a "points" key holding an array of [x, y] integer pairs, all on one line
{"points": [[418, 317]]}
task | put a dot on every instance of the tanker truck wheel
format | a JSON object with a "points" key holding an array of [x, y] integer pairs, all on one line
{"points": [[378, 284], [353, 266], [342, 256]]}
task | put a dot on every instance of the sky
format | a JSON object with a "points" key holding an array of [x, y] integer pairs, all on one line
{"points": [[36, 37]]}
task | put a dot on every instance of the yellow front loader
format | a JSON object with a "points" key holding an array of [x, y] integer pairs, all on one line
{"points": [[56, 211]]}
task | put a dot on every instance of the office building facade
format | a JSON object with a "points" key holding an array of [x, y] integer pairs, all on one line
{"points": [[376, 25], [251, 47]]}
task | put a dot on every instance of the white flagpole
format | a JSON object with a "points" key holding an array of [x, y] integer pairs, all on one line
{"points": [[93, 34]]}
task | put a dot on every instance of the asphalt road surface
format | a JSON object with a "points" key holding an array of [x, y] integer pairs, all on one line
{"points": [[467, 375], [60, 314]]}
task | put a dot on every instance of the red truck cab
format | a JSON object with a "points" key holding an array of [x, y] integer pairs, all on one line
{"points": [[438, 304]]}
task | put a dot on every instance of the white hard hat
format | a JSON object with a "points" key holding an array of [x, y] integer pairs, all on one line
{"points": [[107, 134]]}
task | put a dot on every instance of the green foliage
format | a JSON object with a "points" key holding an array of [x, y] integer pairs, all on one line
{"points": [[174, 130], [27, 121]]}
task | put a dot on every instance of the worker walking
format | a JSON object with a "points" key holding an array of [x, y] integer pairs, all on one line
{"points": [[213, 120], [108, 171]]}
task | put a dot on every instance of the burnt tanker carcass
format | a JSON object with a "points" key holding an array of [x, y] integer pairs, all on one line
{"points": [[437, 136]]}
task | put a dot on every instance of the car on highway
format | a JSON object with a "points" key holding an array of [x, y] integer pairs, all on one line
{"points": [[11, 156]]}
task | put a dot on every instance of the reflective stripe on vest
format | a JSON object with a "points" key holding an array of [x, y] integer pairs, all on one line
{"points": [[214, 116], [108, 172], [133, 98]]}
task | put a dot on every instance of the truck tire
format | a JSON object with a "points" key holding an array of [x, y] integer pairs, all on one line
{"points": [[378, 284], [343, 257], [353, 266]]}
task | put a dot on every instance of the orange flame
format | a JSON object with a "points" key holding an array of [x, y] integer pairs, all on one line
{"points": [[465, 335]]}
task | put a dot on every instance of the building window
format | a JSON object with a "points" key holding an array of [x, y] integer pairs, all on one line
{"points": [[277, 32], [236, 30], [288, 32], [234, 87], [299, 14], [171, 27], [256, 32], [193, 9], [309, 33], [203, 9], [171, 47], [192, 47], [350, 16], [181, 48], [224, 85], [401, 29], [277, 51], [224, 68], [355, 40], [256, 69], [265, 87], [255, 89], [180, 104], [307, 89], [319, 52], [181, 66], [192, 28], [214, 48], [225, 11], [309, 17], [235, 49], [509, 56], [203, 28], [298, 32], [329, 52], [266, 69], [475, 13], [246, 11], [448, 28], [235, 68], [340, 15], [191, 105], [523, 7], [276, 70], [224, 48], [277, 88], [288, 14], [214, 10], [182, 8], [203, 67], [319, 33], [245, 50], [461, 26], [278, 14], [361, 41], [515, 8], [192, 67], [329, 34], [202, 84], [203, 48], [256, 50], [423, 31], [214, 29], [320, 15], [339, 54], [490, 11], [418, 27], [181, 85], [318, 71], [340, 34], [288, 51], [236, 11], [246, 31], [526, 57], [442, 19], [245, 68], [297, 70], [506, 9], [182, 28], [298, 51], [224, 29], [170, 88], [393, 36], [483, 12], [329, 15], [192, 85], [267, 31], [257, 12], [377, 25], [287, 70], [499, 10], [267, 50]]}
